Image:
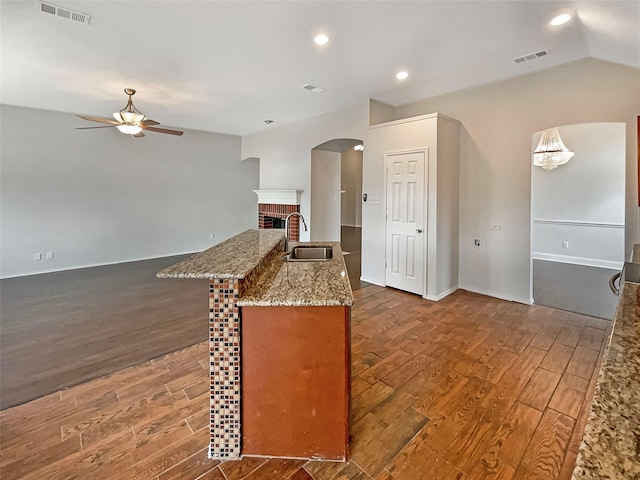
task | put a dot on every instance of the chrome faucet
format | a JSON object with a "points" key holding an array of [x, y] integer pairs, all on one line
{"points": [[286, 228]]}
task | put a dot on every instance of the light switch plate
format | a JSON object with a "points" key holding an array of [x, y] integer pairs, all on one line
{"points": [[374, 200]]}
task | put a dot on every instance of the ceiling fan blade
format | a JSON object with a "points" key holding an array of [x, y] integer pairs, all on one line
{"points": [[100, 120], [149, 123], [139, 135], [163, 130], [89, 128]]}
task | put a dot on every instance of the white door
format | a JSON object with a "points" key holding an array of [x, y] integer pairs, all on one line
{"points": [[404, 225]]}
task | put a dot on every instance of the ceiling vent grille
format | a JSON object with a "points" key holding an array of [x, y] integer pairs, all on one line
{"points": [[313, 88], [52, 9], [532, 56]]}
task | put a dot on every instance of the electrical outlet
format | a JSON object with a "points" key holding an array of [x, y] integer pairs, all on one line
{"points": [[37, 256], [212, 235], [50, 255], [565, 244], [476, 243]]}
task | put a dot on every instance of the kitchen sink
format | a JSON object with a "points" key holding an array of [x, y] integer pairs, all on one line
{"points": [[310, 253]]}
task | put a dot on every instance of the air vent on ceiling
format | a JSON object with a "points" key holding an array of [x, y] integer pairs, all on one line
{"points": [[63, 12], [532, 56], [313, 88]]}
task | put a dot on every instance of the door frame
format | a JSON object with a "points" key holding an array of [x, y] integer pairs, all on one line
{"points": [[425, 211]]}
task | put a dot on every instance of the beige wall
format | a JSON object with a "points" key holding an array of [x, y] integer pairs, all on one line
{"points": [[351, 177], [498, 121], [98, 197], [285, 151], [325, 196], [582, 202]]}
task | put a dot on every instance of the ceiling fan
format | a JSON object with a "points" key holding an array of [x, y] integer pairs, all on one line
{"points": [[129, 120]]}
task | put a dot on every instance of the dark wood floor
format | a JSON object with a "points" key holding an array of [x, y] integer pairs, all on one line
{"points": [[575, 288], [61, 329], [470, 387]]}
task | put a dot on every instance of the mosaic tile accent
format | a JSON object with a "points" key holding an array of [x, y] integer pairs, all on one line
{"points": [[224, 358], [224, 353]]}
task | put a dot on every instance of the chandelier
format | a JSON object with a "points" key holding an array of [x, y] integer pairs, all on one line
{"points": [[551, 152]]}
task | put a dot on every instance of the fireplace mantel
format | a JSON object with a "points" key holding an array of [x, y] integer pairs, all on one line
{"points": [[279, 197]]}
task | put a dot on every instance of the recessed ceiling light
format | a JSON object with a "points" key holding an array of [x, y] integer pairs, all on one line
{"points": [[560, 19], [402, 75], [321, 39]]}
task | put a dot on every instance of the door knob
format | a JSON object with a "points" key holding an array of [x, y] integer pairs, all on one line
{"points": [[418, 230]]}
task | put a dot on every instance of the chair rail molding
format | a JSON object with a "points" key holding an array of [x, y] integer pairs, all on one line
{"points": [[575, 223]]}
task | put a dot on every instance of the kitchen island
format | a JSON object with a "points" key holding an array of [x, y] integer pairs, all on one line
{"points": [[611, 444], [279, 348]]}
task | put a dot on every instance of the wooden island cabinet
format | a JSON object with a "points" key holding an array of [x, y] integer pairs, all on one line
{"points": [[295, 381], [279, 343]]}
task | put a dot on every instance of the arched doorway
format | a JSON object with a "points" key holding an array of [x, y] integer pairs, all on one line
{"points": [[578, 221], [336, 198]]}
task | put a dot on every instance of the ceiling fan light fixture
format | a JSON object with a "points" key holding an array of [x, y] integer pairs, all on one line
{"points": [[130, 114], [130, 121], [131, 117], [129, 129]]}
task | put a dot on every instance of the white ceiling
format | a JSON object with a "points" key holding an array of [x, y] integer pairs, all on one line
{"points": [[228, 66]]}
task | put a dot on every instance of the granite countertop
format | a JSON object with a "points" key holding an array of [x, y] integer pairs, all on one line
{"points": [[302, 283], [610, 447], [278, 283], [233, 258]]}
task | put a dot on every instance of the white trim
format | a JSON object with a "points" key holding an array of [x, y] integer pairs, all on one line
{"points": [[589, 262], [374, 282], [446, 293], [496, 295], [91, 265], [279, 197], [413, 119], [573, 223]]}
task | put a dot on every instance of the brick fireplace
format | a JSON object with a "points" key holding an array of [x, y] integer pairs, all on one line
{"points": [[273, 208]]}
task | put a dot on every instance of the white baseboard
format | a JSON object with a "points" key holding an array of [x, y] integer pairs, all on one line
{"points": [[496, 295], [375, 282], [446, 293], [91, 265], [589, 262], [353, 226], [463, 287]]}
